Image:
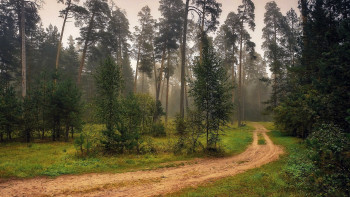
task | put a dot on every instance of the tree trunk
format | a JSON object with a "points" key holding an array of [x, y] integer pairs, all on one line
{"points": [[27, 135], [233, 85], [167, 89], [304, 19], [183, 62], [42, 134], [243, 94], [240, 80], [8, 131], [186, 96], [72, 132], [23, 55], [143, 82], [160, 74], [259, 99], [275, 67], [162, 91], [67, 133], [202, 33], [137, 69], [61, 36], [85, 47], [155, 87]]}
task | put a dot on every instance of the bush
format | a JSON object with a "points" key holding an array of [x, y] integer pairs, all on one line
{"points": [[189, 131], [158, 130], [87, 141], [324, 169], [330, 152]]}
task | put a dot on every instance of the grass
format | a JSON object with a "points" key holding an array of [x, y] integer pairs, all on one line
{"points": [[261, 139], [236, 140], [19, 160], [268, 180]]}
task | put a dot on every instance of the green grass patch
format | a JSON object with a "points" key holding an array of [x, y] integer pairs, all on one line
{"points": [[19, 160], [268, 125], [268, 180], [236, 140], [261, 139]]}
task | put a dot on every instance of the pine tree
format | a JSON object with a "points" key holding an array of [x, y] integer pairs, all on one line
{"points": [[246, 16], [71, 10], [108, 81], [211, 93], [144, 38], [95, 22], [274, 35], [10, 112], [206, 8], [170, 28]]}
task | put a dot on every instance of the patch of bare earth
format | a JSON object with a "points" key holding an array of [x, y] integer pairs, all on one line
{"points": [[148, 183]]}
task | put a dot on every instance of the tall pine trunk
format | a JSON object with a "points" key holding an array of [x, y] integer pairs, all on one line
{"points": [[143, 82], [137, 69], [167, 89], [61, 36], [23, 53], [240, 80], [160, 75], [233, 84], [183, 61], [86, 46], [202, 32]]}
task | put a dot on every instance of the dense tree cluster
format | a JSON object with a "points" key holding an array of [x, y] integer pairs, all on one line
{"points": [[309, 59], [36, 62]]}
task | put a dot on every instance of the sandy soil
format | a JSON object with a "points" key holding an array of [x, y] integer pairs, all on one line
{"points": [[148, 183]]}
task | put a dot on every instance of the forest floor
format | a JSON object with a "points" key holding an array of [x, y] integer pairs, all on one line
{"points": [[149, 183]]}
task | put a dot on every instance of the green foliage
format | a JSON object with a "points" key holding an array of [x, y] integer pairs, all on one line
{"points": [[317, 86], [79, 142], [147, 107], [58, 158], [158, 130], [211, 93], [87, 140], [10, 112], [348, 118], [323, 168], [108, 82], [297, 114], [330, 149]]}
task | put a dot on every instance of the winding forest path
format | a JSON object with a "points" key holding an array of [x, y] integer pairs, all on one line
{"points": [[148, 183]]}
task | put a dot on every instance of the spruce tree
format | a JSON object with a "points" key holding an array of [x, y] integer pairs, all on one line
{"points": [[211, 93]]}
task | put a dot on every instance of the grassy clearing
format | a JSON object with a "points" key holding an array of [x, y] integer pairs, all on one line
{"points": [[268, 180], [18, 160]]}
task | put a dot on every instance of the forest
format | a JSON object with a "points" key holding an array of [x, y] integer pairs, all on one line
{"points": [[180, 105]]}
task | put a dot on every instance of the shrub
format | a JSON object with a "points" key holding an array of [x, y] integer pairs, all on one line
{"points": [[324, 169], [158, 130], [330, 147]]}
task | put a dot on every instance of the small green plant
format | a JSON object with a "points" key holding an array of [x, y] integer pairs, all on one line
{"points": [[86, 140], [79, 142]]}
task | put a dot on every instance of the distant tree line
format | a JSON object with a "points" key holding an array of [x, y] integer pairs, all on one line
{"points": [[35, 63]]}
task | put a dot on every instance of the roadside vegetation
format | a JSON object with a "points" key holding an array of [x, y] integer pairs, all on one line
{"points": [[268, 180], [308, 167], [18, 160]]}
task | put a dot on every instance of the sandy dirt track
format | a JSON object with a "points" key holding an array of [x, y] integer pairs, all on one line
{"points": [[148, 183]]}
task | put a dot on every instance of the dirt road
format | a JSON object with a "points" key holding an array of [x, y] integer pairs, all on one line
{"points": [[148, 183]]}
